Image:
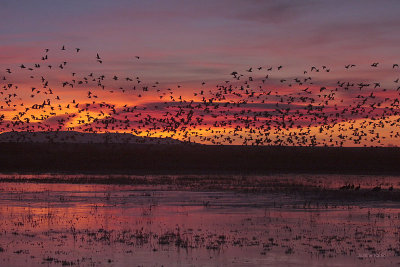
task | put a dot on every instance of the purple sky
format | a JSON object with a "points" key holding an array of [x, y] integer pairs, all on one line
{"points": [[204, 40], [189, 42]]}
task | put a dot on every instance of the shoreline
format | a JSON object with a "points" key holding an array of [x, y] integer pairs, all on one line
{"points": [[131, 159], [310, 187]]}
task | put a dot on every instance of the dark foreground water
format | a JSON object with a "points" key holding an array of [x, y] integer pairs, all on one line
{"points": [[291, 220]]}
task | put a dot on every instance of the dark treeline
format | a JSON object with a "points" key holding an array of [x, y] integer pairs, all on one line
{"points": [[194, 159]]}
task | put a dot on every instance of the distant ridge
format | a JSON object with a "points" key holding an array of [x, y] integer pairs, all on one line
{"points": [[78, 137]]}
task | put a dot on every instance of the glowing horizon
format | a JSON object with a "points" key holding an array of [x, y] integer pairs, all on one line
{"points": [[182, 53]]}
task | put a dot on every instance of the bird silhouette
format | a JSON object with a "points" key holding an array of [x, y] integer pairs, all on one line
{"points": [[249, 108]]}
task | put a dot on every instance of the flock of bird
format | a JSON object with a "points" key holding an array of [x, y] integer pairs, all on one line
{"points": [[256, 106]]}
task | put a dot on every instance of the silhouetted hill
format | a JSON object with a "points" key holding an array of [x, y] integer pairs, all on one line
{"points": [[78, 137]]}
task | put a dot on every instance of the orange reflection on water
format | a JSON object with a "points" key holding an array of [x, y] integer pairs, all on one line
{"points": [[98, 224]]}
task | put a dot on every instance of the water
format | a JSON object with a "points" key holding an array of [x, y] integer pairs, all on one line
{"points": [[282, 220]]}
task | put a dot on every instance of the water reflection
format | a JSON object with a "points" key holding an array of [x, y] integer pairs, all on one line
{"points": [[86, 224]]}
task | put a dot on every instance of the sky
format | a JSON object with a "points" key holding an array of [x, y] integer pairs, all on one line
{"points": [[187, 43]]}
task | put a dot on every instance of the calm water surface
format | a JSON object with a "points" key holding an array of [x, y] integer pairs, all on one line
{"points": [[153, 225]]}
